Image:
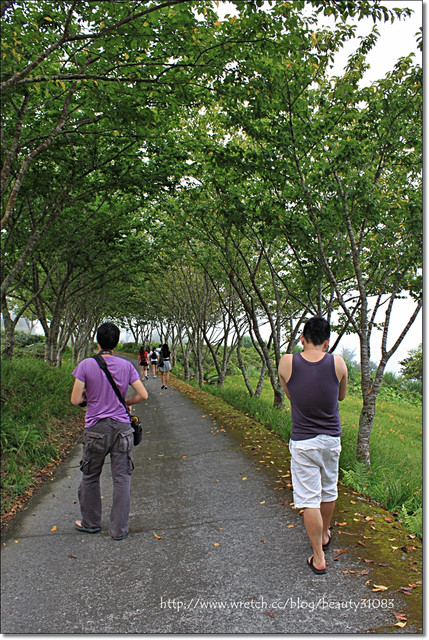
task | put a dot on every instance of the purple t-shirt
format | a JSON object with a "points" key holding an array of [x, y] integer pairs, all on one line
{"points": [[102, 400]]}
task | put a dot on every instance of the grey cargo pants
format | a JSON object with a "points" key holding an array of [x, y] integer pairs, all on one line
{"points": [[116, 438]]}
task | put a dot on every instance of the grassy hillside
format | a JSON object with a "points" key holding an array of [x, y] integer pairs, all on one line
{"points": [[39, 425]]}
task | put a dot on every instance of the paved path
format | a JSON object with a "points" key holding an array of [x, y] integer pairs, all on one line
{"points": [[208, 552]]}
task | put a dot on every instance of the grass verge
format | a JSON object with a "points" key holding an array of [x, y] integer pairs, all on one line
{"points": [[38, 426]]}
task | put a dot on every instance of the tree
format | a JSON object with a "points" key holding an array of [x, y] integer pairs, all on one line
{"points": [[412, 366], [67, 131], [345, 162]]}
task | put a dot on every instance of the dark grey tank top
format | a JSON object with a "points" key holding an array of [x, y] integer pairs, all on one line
{"points": [[313, 389]]}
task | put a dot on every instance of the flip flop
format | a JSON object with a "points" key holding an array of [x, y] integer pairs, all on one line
{"points": [[325, 546], [313, 568], [81, 527]]}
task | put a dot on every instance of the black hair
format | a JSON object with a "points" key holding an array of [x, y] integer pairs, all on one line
{"points": [[165, 350], [108, 335], [316, 330]]}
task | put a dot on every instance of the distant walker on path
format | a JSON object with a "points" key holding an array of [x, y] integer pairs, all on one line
{"points": [[107, 430], [164, 365], [314, 381], [153, 355]]}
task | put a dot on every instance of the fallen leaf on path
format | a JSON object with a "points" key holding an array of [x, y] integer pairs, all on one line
{"points": [[270, 613], [290, 526], [400, 624], [244, 478], [407, 590], [155, 535], [380, 587], [54, 528], [70, 555], [400, 616], [216, 544]]}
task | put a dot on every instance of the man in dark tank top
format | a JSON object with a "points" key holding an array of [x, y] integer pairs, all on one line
{"points": [[314, 381]]}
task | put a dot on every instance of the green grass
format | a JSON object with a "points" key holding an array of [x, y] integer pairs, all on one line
{"points": [[37, 423], [395, 477]]}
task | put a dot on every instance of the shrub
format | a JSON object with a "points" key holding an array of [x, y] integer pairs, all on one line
{"points": [[36, 412], [25, 339], [129, 347]]}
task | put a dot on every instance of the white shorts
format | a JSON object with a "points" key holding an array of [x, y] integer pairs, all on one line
{"points": [[314, 469]]}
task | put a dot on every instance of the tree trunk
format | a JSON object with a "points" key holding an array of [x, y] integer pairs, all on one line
{"points": [[366, 421], [9, 332], [260, 384], [279, 398], [51, 348], [185, 354], [243, 370]]}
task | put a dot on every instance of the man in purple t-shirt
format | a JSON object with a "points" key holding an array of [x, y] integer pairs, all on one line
{"points": [[107, 431], [314, 381]]}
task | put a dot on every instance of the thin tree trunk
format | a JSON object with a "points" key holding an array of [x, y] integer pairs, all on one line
{"points": [[366, 421], [260, 384], [243, 370], [9, 332]]}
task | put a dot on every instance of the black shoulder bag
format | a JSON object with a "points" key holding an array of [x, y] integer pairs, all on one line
{"points": [[135, 421]]}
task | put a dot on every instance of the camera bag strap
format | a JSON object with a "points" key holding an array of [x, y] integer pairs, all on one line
{"points": [[102, 364]]}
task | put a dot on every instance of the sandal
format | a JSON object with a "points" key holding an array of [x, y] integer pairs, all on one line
{"points": [[325, 546], [313, 568], [80, 527]]}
